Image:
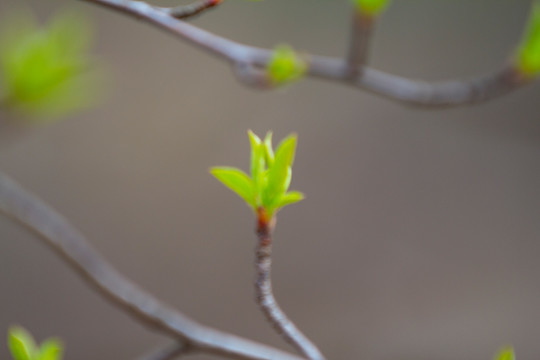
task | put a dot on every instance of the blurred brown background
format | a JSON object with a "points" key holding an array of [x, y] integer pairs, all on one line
{"points": [[419, 237]]}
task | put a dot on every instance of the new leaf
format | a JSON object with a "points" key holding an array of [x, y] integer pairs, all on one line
{"points": [[237, 181], [21, 343]]}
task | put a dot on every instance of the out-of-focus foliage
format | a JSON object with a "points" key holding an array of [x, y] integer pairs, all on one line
{"points": [[267, 188], [529, 51], [23, 346], [371, 7], [506, 353], [285, 66], [45, 72]]}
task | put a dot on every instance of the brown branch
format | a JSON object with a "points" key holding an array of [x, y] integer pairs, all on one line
{"points": [[265, 297], [451, 93], [361, 29], [72, 247]]}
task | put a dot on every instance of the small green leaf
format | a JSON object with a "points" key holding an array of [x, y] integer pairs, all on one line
{"points": [[237, 181], [50, 349], [279, 174], [506, 353], [285, 66], [21, 343], [257, 159], [289, 198], [269, 152], [529, 51]]}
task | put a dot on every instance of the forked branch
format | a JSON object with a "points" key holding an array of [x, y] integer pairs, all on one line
{"points": [[412, 92], [72, 247]]}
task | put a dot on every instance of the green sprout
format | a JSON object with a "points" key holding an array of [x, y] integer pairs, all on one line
{"points": [[267, 188], [285, 66], [44, 72], [371, 8], [23, 346], [528, 56], [506, 353]]}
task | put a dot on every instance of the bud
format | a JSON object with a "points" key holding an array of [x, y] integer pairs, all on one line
{"points": [[285, 66], [371, 8]]}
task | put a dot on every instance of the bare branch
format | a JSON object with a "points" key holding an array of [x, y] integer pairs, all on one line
{"points": [[443, 94], [72, 247], [451, 93], [265, 297], [361, 28], [168, 352]]}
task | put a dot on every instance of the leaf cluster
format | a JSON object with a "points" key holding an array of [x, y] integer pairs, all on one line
{"points": [[267, 188], [23, 346], [506, 353], [44, 71]]}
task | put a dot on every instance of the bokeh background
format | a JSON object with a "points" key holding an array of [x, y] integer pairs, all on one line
{"points": [[420, 235]]}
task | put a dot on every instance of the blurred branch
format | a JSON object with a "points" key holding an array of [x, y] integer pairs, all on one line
{"points": [[190, 10], [252, 76], [361, 28], [168, 352], [450, 93], [265, 297], [72, 247]]}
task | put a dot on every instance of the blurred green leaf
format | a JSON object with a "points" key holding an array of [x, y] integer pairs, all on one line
{"points": [[371, 7], [237, 181], [50, 349], [21, 343], [506, 353], [529, 50], [269, 152], [285, 65], [45, 72]]}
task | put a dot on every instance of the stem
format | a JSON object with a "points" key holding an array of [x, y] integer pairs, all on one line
{"points": [[265, 297], [361, 29]]}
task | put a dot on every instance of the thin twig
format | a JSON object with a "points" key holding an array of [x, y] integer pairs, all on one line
{"points": [[443, 94], [265, 297], [361, 28], [190, 10], [168, 352], [72, 247]]}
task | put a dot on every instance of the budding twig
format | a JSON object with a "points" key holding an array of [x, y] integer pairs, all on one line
{"points": [[58, 234], [407, 91], [265, 297]]}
